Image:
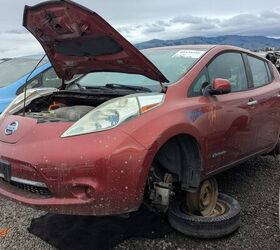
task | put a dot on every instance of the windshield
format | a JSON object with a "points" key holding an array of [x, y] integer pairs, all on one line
{"points": [[14, 69], [173, 63]]}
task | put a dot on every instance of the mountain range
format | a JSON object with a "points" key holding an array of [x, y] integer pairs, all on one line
{"points": [[248, 42]]}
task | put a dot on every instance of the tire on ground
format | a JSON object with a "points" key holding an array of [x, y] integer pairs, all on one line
{"points": [[205, 227]]}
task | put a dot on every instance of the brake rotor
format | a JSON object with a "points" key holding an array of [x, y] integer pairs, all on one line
{"points": [[203, 201]]}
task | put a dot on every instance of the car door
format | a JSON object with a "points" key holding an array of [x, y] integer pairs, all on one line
{"points": [[234, 127], [266, 95], [230, 135]]}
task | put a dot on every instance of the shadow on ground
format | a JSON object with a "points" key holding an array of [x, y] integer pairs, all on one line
{"points": [[102, 233]]}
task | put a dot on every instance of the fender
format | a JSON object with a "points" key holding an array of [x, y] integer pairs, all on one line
{"points": [[162, 139]]}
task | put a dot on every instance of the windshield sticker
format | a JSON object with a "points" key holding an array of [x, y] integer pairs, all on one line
{"points": [[189, 54]]}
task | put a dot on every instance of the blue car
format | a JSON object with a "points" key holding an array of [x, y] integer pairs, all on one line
{"points": [[14, 73]]}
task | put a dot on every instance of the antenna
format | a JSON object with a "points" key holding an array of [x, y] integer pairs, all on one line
{"points": [[26, 83]]}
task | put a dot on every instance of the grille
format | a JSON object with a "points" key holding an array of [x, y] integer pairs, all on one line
{"points": [[32, 189]]}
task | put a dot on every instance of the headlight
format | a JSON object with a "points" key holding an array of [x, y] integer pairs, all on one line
{"points": [[113, 113]]}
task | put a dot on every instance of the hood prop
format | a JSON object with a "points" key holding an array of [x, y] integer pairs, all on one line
{"points": [[26, 83], [164, 88]]}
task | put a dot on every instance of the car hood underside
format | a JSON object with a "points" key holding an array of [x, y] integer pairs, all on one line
{"points": [[78, 41]]}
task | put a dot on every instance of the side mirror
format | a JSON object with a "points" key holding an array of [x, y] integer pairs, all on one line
{"points": [[220, 87]]}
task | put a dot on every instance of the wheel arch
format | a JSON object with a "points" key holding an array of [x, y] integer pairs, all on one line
{"points": [[181, 156], [193, 174]]}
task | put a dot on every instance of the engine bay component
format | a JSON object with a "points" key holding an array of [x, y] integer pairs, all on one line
{"points": [[55, 106], [64, 114], [73, 113]]}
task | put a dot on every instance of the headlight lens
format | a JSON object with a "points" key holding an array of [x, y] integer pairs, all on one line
{"points": [[113, 113]]}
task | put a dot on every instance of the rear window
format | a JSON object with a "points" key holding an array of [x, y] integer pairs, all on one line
{"points": [[14, 69], [259, 71]]}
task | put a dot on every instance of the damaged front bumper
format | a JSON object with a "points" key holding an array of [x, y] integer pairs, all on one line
{"points": [[101, 174]]}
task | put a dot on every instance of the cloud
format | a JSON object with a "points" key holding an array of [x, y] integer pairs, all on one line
{"points": [[203, 26], [265, 23], [154, 28], [143, 21], [187, 19], [18, 44]]}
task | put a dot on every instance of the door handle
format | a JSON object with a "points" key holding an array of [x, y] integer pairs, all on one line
{"points": [[252, 103], [278, 95]]}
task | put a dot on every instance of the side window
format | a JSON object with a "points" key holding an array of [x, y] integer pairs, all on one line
{"points": [[50, 79], [229, 66], [34, 83], [198, 85], [259, 71]]}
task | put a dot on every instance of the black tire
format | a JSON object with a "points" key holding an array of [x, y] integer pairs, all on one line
{"points": [[205, 227]]}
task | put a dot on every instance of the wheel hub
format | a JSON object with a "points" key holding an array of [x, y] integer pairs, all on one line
{"points": [[204, 200]]}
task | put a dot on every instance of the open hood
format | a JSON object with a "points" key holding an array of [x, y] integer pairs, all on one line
{"points": [[78, 41]]}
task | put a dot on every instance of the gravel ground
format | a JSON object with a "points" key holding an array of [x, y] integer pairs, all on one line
{"points": [[254, 184]]}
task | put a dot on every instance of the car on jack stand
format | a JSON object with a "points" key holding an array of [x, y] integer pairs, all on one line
{"points": [[154, 126]]}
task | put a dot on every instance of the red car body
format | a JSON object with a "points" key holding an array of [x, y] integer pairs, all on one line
{"points": [[106, 172]]}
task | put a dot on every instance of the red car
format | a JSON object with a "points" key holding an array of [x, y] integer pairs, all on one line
{"points": [[132, 126]]}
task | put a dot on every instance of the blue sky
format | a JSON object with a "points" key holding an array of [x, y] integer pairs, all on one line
{"points": [[147, 19]]}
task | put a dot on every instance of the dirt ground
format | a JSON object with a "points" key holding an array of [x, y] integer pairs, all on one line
{"points": [[254, 184]]}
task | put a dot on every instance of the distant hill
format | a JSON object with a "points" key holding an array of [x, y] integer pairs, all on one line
{"points": [[248, 42]]}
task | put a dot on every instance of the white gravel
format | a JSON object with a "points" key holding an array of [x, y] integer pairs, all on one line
{"points": [[17, 218]]}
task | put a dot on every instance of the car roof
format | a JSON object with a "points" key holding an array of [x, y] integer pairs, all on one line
{"points": [[206, 47], [202, 46]]}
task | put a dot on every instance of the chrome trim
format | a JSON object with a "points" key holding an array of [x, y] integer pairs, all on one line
{"points": [[11, 128], [27, 182]]}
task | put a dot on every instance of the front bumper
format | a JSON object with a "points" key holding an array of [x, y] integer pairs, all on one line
{"points": [[97, 174]]}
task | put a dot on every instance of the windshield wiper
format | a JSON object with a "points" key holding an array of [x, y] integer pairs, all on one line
{"points": [[122, 86]]}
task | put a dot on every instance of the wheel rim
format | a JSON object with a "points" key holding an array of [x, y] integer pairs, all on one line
{"points": [[203, 202]]}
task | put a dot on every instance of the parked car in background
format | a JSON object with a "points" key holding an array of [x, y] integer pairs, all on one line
{"points": [[274, 57], [14, 73]]}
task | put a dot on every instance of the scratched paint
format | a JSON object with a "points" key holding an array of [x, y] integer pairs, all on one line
{"points": [[212, 114], [195, 114]]}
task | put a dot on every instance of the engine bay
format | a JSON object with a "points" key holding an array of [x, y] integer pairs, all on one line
{"points": [[65, 105], [62, 114]]}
